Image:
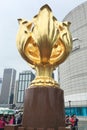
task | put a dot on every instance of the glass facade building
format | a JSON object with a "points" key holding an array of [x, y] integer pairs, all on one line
{"points": [[73, 72], [25, 79], [8, 84]]}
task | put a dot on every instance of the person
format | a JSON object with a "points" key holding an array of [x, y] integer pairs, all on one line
{"points": [[12, 120], [67, 120], [7, 118], [76, 122], [2, 122], [19, 121], [72, 120]]}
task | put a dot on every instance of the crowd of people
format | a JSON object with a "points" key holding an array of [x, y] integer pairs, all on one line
{"points": [[10, 120], [72, 122]]}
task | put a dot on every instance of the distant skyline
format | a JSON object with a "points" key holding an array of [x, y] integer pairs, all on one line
{"points": [[10, 11]]}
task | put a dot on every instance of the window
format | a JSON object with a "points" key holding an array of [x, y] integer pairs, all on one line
{"points": [[79, 111]]}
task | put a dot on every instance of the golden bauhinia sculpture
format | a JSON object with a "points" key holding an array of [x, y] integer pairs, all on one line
{"points": [[44, 43]]}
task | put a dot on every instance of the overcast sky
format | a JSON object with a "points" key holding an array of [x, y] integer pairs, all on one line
{"points": [[10, 11]]}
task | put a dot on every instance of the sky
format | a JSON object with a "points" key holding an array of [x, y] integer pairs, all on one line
{"points": [[10, 11]]}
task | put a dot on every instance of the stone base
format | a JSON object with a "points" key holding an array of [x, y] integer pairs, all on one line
{"points": [[14, 127], [60, 128], [43, 108]]}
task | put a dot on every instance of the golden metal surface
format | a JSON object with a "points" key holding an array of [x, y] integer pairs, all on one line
{"points": [[44, 43]]}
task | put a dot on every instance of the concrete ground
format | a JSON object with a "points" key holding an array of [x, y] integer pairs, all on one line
{"points": [[82, 125]]}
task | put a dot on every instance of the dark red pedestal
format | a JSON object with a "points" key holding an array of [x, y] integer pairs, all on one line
{"points": [[44, 108]]}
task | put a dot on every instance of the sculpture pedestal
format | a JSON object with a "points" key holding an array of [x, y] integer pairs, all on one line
{"points": [[13, 127], [44, 108], [61, 128]]}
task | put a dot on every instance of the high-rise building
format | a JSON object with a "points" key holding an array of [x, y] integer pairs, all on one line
{"points": [[16, 92], [7, 91], [0, 84], [73, 72], [25, 79]]}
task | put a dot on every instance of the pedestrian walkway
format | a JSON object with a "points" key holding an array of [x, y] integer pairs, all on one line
{"points": [[82, 125]]}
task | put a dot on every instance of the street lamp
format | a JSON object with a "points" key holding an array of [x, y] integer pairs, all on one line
{"points": [[70, 106]]}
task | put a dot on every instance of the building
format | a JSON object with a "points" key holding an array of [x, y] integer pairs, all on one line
{"points": [[0, 85], [73, 72], [7, 91], [25, 79], [16, 92]]}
